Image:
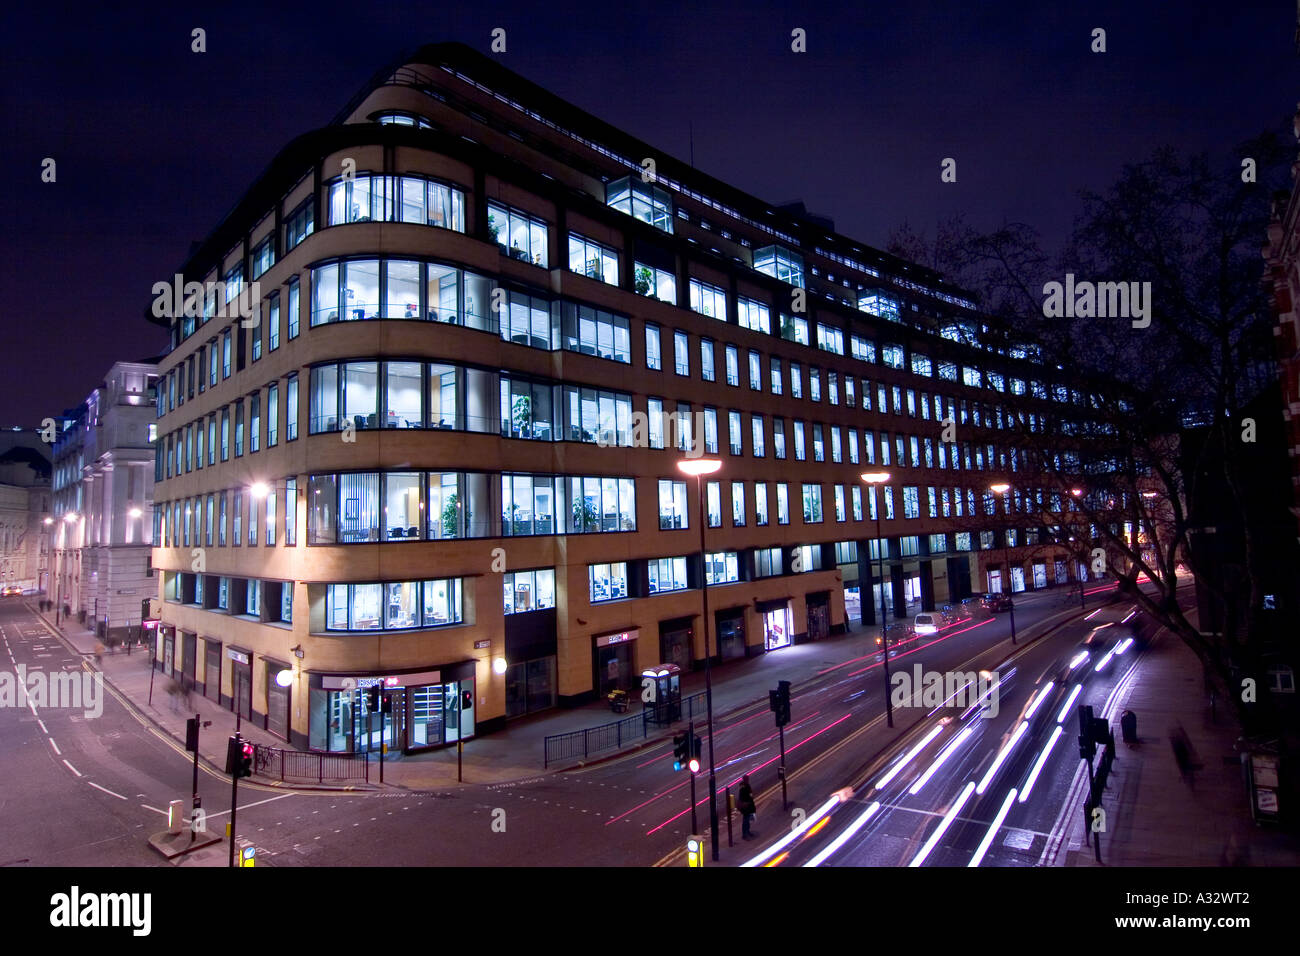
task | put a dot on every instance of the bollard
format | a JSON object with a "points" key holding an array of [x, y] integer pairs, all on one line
{"points": [[175, 817], [1128, 724]]}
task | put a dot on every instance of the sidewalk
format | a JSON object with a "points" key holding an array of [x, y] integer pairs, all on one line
{"points": [[517, 752], [1153, 818]]}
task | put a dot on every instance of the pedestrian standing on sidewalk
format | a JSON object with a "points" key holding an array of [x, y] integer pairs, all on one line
{"points": [[745, 804], [1182, 748]]}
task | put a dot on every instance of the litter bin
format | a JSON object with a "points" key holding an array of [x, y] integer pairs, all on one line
{"points": [[1128, 725]]}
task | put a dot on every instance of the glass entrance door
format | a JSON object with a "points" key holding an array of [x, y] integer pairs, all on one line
{"points": [[395, 719], [777, 625]]}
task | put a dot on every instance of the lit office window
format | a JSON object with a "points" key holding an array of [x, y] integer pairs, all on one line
{"points": [[519, 235], [529, 590], [780, 263], [641, 200], [667, 574], [590, 258], [653, 356], [709, 300], [608, 582], [655, 283], [812, 503], [753, 315]]}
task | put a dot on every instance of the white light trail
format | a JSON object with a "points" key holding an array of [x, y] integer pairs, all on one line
{"points": [[1038, 701], [1069, 701], [844, 837], [1042, 759], [1001, 758], [898, 767], [939, 760], [795, 834], [948, 817], [993, 829]]}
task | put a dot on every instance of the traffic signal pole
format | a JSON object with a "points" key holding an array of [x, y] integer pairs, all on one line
{"points": [[690, 747], [234, 804]]}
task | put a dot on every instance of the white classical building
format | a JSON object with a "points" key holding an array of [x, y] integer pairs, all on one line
{"points": [[24, 503], [103, 500]]}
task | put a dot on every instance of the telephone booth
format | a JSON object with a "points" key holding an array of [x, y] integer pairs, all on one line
{"points": [[665, 681]]}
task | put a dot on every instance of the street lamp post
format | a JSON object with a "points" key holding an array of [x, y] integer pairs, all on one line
{"points": [[875, 478], [1002, 488], [699, 467]]}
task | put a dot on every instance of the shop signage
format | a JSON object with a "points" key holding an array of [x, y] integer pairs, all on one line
{"points": [[343, 682], [618, 637], [482, 645], [235, 655]]}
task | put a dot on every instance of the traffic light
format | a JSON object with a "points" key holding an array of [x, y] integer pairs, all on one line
{"points": [[779, 702], [372, 699], [239, 757], [681, 751], [694, 764]]}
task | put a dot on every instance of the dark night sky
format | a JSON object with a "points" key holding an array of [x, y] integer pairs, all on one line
{"points": [[155, 143]]}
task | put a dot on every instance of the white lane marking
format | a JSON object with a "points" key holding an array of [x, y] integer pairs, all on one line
{"points": [[155, 810], [55, 746], [106, 790], [41, 723], [72, 768], [257, 804]]}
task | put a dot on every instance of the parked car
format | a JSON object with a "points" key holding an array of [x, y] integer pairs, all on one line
{"points": [[997, 602]]}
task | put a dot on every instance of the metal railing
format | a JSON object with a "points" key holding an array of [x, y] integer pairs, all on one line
{"points": [[295, 765], [612, 736]]}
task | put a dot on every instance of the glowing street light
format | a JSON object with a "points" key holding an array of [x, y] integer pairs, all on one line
{"points": [[1002, 488], [699, 467], [259, 489], [879, 478]]}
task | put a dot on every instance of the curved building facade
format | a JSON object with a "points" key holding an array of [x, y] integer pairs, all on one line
{"points": [[429, 386]]}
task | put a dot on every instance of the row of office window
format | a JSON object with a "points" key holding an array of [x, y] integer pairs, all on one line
{"points": [[189, 447], [409, 198], [229, 518], [215, 360], [359, 289], [360, 507], [367, 507], [267, 601]]}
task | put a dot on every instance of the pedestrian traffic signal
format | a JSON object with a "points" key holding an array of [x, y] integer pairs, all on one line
{"points": [[372, 699], [466, 699], [681, 751]]}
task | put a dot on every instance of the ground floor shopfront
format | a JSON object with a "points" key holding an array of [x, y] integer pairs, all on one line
{"points": [[355, 713], [618, 658], [347, 713]]}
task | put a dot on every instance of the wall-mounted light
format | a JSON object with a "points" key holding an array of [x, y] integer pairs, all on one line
{"points": [[499, 665], [135, 512], [284, 678], [259, 489]]}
